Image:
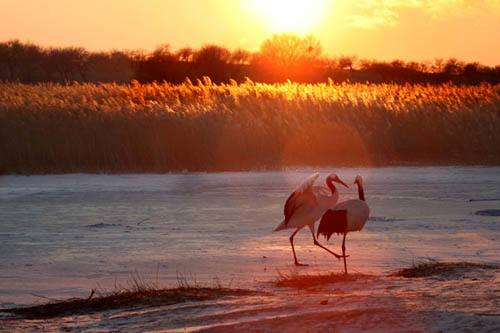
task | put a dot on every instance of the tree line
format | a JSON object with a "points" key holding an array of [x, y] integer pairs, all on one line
{"points": [[281, 57]]}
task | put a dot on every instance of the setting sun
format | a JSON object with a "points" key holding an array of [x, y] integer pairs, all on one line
{"points": [[298, 16]]}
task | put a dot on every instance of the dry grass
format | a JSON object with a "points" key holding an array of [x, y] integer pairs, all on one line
{"points": [[421, 269], [306, 281], [443, 269], [137, 294], [49, 128]]}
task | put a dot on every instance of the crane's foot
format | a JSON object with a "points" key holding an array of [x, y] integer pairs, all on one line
{"points": [[340, 257], [300, 265]]}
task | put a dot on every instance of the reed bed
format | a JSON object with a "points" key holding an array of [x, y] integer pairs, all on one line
{"points": [[54, 128]]}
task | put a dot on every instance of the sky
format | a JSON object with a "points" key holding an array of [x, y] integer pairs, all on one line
{"points": [[411, 30]]}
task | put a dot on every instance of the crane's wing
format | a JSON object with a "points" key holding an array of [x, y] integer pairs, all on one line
{"points": [[308, 183], [321, 191], [302, 195], [333, 221]]}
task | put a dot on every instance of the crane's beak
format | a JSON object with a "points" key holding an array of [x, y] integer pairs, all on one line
{"points": [[338, 180]]}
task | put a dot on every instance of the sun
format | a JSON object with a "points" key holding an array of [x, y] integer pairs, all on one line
{"points": [[297, 16]]}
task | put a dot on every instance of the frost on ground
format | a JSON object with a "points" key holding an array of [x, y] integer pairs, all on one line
{"points": [[61, 236]]}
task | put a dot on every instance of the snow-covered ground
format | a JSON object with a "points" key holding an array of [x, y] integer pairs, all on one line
{"points": [[62, 235]]}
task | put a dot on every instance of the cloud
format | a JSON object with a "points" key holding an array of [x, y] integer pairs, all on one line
{"points": [[379, 17], [446, 8], [373, 13]]}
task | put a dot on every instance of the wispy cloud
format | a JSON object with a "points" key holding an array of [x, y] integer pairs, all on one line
{"points": [[373, 13], [379, 17]]}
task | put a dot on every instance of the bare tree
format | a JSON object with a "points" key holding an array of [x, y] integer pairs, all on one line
{"points": [[240, 57], [453, 66], [212, 54], [110, 67], [438, 65], [162, 53], [67, 64], [289, 50], [346, 62], [185, 54]]}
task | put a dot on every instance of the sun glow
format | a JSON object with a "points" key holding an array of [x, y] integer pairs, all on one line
{"points": [[297, 16]]}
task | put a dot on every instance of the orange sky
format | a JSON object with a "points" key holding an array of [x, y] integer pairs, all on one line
{"points": [[383, 29]]}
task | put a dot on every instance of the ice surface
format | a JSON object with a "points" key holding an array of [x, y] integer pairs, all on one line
{"points": [[62, 235]]}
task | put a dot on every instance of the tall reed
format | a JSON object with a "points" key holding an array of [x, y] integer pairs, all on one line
{"points": [[52, 128]]}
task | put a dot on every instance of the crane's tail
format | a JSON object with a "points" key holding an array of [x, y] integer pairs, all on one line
{"points": [[280, 226]]}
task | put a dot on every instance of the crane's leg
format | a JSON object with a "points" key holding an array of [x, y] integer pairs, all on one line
{"points": [[297, 263], [321, 246], [343, 253]]}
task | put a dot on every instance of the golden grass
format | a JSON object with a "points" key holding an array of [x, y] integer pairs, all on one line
{"points": [[47, 128]]}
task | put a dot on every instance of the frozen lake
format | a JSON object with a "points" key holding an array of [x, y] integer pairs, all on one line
{"points": [[61, 235]]}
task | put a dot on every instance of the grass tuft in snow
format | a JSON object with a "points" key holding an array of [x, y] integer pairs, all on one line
{"points": [[304, 281], [443, 269], [138, 293]]}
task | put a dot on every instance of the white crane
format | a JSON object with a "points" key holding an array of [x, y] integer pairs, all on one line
{"points": [[346, 216], [306, 205]]}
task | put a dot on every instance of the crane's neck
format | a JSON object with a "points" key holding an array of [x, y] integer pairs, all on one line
{"points": [[361, 191], [331, 186]]}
